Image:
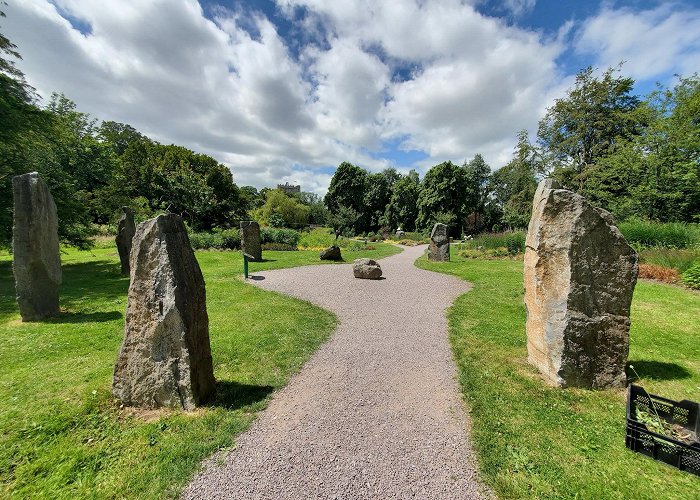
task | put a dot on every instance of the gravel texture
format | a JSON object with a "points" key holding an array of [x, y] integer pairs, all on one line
{"points": [[375, 413]]}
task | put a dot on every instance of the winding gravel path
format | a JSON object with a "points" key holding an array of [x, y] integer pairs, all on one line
{"points": [[375, 413]]}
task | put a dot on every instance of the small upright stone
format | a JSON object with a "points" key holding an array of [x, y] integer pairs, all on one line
{"points": [[367, 269], [125, 234], [331, 253], [580, 274], [439, 248], [250, 239], [165, 359], [36, 261]]}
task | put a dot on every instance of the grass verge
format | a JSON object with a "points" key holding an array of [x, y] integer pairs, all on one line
{"points": [[61, 433], [535, 441]]}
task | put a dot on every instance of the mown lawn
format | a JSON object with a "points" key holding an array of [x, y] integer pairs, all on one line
{"points": [[534, 441], [61, 433]]}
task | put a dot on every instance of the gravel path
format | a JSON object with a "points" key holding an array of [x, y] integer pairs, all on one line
{"points": [[375, 413]]}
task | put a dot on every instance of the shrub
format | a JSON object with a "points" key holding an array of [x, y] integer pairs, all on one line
{"points": [[644, 234], [680, 260], [278, 246], [283, 236], [512, 241], [228, 239], [691, 276], [656, 272]]}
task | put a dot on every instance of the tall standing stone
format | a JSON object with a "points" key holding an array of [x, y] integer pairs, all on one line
{"points": [[580, 274], [439, 248], [250, 239], [165, 359], [36, 260], [125, 234]]}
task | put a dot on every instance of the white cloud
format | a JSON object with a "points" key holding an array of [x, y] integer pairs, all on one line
{"points": [[436, 76], [653, 43]]}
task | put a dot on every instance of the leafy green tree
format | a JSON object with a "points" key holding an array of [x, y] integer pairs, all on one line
{"points": [[585, 125], [347, 189], [477, 173], [318, 213], [513, 186], [443, 191], [346, 220], [377, 197], [402, 210], [279, 205]]}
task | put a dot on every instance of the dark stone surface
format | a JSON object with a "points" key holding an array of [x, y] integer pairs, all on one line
{"points": [[439, 248], [36, 259], [165, 359], [331, 253], [366, 269], [250, 240], [125, 234]]}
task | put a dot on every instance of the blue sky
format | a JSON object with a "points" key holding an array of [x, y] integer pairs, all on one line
{"points": [[285, 90]]}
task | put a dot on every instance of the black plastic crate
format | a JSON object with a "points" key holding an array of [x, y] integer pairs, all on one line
{"points": [[685, 456]]}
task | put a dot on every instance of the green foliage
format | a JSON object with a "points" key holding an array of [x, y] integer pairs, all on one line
{"points": [[670, 258], [347, 220], [283, 236], [642, 233], [347, 188], [377, 196], [691, 276], [537, 441], [402, 210], [282, 210], [477, 173], [442, 196], [512, 241]]}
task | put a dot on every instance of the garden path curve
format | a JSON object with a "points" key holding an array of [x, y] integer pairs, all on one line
{"points": [[375, 413]]}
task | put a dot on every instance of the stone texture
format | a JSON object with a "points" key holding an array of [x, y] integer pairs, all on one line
{"points": [[439, 248], [366, 269], [125, 234], [250, 240], [36, 260], [331, 253], [580, 274], [165, 359]]}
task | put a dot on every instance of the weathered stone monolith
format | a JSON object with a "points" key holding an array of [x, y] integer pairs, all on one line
{"points": [[125, 234], [36, 260], [580, 274], [439, 248], [250, 239], [165, 359], [331, 253]]}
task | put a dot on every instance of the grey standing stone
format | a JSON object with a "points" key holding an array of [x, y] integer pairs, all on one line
{"points": [[580, 274], [165, 359], [125, 234], [331, 253], [366, 269], [250, 239], [439, 248], [36, 260]]}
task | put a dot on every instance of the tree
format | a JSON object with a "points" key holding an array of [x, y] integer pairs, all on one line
{"points": [[347, 188], [443, 191], [402, 210], [513, 186], [280, 205], [318, 213], [377, 196], [585, 125], [477, 175]]}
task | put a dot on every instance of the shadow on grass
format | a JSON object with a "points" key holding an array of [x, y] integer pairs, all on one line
{"points": [[657, 370], [92, 317], [232, 395]]}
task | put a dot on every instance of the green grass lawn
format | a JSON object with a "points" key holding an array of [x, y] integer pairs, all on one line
{"points": [[61, 433], [535, 441]]}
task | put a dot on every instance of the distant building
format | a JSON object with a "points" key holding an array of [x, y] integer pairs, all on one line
{"points": [[289, 188]]}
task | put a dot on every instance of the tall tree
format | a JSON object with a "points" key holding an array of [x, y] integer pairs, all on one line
{"points": [[402, 210], [347, 189], [513, 186], [442, 196], [477, 175], [377, 196], [585, 125]]}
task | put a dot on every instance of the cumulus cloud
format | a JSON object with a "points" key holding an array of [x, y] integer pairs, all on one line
{"points": [[652, 42], [343, 81]]}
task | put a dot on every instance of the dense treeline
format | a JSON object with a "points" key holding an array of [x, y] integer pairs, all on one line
{"points": [[636, 158]]}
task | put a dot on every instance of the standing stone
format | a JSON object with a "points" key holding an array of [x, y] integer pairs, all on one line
{"points": [[580, 274], [165, 359], [250, 239], [331, 253], [36, 260], [439, 249], [125, 234], [367, 269]]}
